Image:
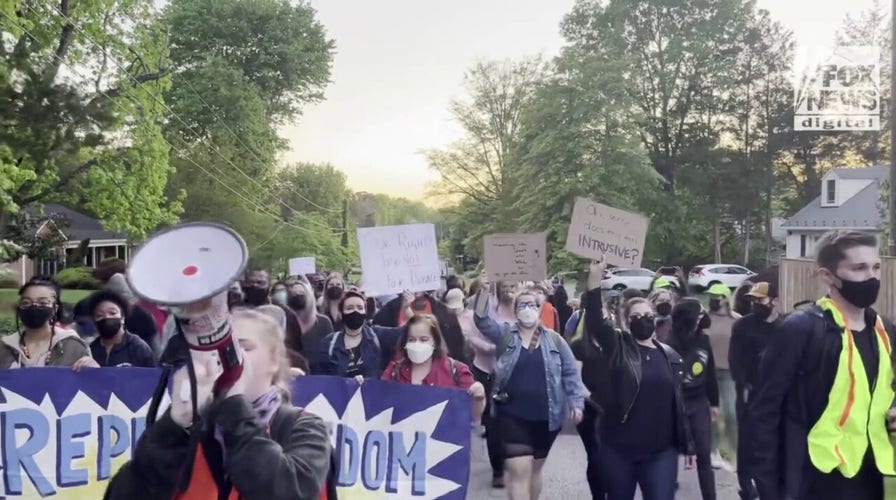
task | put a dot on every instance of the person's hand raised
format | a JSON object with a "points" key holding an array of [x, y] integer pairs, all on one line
{"points": [[206, 368]]}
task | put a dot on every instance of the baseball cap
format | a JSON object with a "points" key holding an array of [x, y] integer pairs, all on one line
{"points": [[454, 299], [762, 290], [720, 290], [662, 283]]}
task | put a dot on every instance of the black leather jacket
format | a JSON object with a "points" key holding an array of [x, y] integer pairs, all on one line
{"points": [[624, 363]]}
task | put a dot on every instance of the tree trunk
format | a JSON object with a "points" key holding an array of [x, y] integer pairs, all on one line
{"points": [[717, 238], [747, 239]]}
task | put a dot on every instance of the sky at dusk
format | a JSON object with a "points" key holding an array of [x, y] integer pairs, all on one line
{"points": [[398, 64]]}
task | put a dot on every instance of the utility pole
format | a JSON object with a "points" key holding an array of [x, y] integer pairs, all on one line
{"points": [[892, 238]]}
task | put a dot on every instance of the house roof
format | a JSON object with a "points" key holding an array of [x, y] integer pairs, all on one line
{"points": [[879, 172], [860, 211], [81, 226]]}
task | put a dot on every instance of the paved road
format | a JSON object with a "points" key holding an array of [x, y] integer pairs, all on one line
{"points": [[564, 476]]}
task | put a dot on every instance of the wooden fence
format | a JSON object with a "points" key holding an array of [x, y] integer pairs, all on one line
{"points": [[799, 281]]}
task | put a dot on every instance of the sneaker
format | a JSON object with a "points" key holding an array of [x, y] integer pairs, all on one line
{"points": [[716, 460], [498, 482]]}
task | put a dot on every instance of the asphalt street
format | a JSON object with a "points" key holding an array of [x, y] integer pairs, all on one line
{"points": [[564, 474]]}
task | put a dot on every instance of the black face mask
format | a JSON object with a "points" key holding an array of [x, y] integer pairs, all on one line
{"points": [[255, 296], [108, 327], [705, 322], [715, 305], [761, 311], [664, 308], [354, 320], [861, 294], [35, 316], [334, 293], [642, 328], [297, 302]]}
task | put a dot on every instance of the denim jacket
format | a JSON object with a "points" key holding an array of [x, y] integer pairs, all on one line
{"points": [[377, 349], [565, 389]]}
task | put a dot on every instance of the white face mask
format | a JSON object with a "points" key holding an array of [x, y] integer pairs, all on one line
{"points": [[279, 297], [528, 317], [419, 352]]}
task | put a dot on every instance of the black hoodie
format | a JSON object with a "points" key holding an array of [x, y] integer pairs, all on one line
{"points": [[695, 349]]}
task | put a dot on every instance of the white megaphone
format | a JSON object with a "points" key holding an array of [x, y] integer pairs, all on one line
{"points": [[189, 268]]}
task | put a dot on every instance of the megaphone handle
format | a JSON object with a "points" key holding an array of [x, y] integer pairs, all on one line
{"points": [[232, 366]]}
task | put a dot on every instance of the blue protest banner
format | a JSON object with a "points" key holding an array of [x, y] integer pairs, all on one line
{"points": [[399, 440], [65, 434]]}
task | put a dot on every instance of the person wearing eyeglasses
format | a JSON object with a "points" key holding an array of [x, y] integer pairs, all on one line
{"points": [[644, 426], [39, 340], [537, 388]]}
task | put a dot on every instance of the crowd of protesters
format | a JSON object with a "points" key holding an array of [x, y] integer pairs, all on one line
{"points": [[797, 404]]}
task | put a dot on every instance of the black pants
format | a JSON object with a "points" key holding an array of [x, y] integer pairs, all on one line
{"points": [[492, 435], [744, 449], [588, 432], [700, 421]]}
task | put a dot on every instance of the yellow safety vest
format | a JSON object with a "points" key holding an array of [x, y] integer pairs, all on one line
{"points": [[839, 439]]}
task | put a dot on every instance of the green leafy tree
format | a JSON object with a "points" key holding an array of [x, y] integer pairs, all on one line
{"points": [[241, 68], [81, 135], [476, 168]]}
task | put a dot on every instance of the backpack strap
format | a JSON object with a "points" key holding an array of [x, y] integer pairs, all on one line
{"points": [[454, 375], [333, 343]]}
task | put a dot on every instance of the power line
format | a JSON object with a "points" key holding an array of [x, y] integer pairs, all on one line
{"points": [[184, 123], [261, 210]]}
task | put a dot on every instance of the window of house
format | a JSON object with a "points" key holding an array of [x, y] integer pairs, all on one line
{"points": [[831, 191], [802, 245]]}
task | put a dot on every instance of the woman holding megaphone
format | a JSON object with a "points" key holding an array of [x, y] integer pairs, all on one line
{"points": [[253, 444], [230, 432]]}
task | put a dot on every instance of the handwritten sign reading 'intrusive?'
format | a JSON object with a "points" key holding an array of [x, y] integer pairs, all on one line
{"points": [[516, 257], [598, 230], [398, 258]]}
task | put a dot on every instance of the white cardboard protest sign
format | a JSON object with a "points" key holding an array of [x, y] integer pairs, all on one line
{"points": [[599, 230], [398, 258], [300, 266], [516, 257]]}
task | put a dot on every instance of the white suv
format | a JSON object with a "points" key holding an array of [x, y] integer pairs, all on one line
{"points": [[620, 279], [702, 277]]}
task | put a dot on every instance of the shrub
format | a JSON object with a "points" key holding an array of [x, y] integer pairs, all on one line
{"points": [[109, 267], [79, 278], [7, 324], [7, 280]]}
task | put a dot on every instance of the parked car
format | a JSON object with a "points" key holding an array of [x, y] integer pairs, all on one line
{"points": [[704, 276], [621, 278]]}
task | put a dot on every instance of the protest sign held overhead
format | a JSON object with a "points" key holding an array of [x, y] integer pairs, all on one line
{"points": [[599, 230], [516, 257], [398, 258], [302, 266]]}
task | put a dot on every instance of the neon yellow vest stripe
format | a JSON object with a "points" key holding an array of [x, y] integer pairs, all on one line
{"points": [[853, 416]]}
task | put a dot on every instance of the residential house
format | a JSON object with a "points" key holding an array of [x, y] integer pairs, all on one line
{"points": [[103, 244], [850, 199]]}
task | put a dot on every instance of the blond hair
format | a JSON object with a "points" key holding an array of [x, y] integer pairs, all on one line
{"points": [[272, 335]]}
